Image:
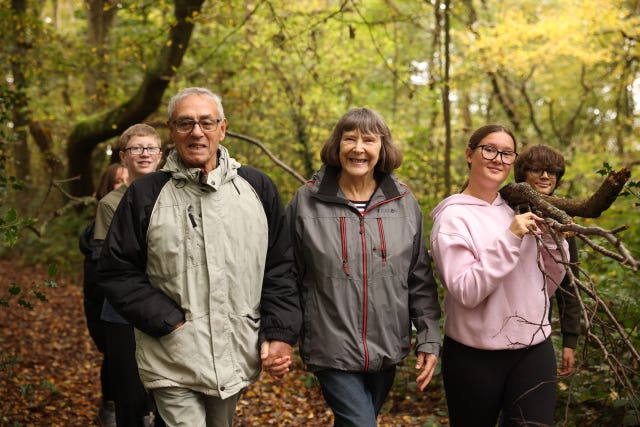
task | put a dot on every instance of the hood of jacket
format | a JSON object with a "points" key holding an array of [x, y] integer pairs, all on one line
{"points": [[324, 186], [226, 170], [463, 200]]}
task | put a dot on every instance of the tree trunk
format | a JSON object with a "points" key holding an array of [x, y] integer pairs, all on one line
{"points": [[19, 56], [100, 17], [90, 132], [446, 104]]}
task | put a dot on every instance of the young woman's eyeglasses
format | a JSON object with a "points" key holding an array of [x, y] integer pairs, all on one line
{"points": [[187, 125], [136, 151], [489, 152]]}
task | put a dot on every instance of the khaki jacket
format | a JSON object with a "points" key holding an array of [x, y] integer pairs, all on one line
{"points": [[193, 247]]}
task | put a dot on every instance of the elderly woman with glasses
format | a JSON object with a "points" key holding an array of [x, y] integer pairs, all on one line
{"points": [[497, 353]]}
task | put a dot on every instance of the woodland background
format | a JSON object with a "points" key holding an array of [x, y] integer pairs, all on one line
{"points": [[75, 74]]}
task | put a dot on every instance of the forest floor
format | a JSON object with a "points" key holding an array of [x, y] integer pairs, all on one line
{"points": [[49, 370]]}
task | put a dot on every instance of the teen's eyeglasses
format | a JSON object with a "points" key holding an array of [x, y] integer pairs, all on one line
{"points": [[551, 173], [136, 151], [489, 152]]}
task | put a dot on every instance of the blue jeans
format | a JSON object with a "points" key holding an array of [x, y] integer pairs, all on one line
{"points": [[355, 397]]}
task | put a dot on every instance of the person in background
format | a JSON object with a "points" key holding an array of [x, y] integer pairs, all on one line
{"points": [[363, 270], [542, 167], [113, 177], [497, 352], [198, 259], [140, 152]]}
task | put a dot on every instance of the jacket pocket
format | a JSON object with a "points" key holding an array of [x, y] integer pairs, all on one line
{"points": [[194, 235], [173, 357], [243, 336]]}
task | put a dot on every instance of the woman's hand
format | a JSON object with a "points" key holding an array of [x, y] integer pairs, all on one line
{"points": [[525, 223], [276, 358], [426, 366]]}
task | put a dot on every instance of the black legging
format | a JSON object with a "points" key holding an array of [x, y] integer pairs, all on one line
{"points": [[479, 384], [132, 401]]}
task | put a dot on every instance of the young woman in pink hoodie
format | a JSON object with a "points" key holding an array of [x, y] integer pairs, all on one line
{"points": [[497, 354]]}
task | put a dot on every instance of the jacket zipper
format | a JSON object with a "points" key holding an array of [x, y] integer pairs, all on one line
{"points": [[364, 294], [345, 266]]}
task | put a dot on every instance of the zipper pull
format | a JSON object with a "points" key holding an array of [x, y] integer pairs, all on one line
{"points": [[191, 218], [345, 266]]}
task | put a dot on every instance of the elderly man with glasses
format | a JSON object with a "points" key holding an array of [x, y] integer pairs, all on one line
{"points": [[206, 259]]}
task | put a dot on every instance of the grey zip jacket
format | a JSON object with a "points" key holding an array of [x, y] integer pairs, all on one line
{"points": [[364, 278], [208, 249]]}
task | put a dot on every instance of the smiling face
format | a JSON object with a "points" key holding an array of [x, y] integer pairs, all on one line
{"points": [[542, 181], [197, 148], [359, 154], [144, 163], [490, 174]]}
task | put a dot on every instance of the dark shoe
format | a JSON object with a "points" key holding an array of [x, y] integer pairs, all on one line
{"points": [[107, 414]]}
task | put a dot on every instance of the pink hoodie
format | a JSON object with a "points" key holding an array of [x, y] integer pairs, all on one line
{"points": [[497, 297]]}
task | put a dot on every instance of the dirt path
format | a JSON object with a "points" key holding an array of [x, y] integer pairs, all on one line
{"points": [[49, 370]]}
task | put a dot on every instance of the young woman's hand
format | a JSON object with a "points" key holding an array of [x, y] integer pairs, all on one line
{"points": [[525, 223]]}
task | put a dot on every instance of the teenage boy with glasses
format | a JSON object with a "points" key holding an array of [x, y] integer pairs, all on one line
{"points": [[140, 153]]}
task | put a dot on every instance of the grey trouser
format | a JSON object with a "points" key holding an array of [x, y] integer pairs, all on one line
{"points": [[182, 407]]}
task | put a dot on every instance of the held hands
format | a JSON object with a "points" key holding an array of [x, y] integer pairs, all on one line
{"points": [[426, 366], [276, 358]]}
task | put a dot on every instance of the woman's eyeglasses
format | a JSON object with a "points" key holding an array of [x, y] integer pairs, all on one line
{"points": [[489, 152]]}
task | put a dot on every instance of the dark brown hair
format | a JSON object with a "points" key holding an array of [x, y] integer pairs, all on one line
{"points": [[368, 122], [480, 133], [108, 180], [485, 130], [539, 157]]}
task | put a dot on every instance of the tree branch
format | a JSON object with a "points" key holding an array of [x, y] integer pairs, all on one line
{"points": [[561, 209], [277, 161], [90, 132]]}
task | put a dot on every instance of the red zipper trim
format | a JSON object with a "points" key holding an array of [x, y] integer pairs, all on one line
{"points": [[383, 242], [343, 238]]}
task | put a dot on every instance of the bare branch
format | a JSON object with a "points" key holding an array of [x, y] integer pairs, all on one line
{"points": [[273, 158]]}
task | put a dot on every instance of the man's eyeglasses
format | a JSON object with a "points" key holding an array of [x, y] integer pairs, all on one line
{"points": [[186, 125], [551, 173], [136, 151], [489, 152]]}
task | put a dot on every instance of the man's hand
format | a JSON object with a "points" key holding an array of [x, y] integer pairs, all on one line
{"points": [[426, 366], [568, 361], [276, 358]]}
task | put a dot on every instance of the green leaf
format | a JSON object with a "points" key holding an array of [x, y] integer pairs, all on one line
{"points": [[53, 270], [26, 304], [14, 289], [42, 297], [11, 215]]}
